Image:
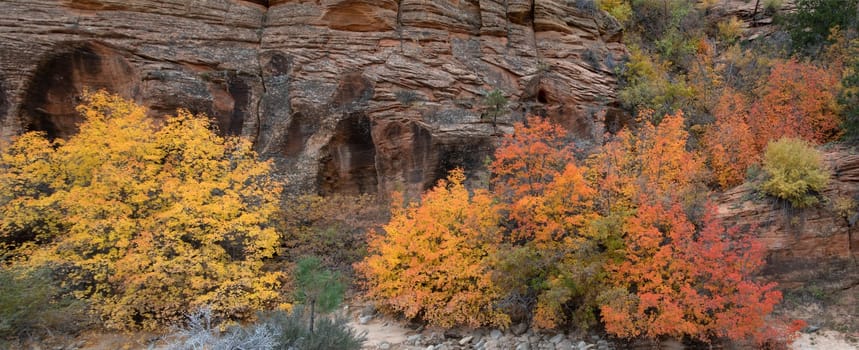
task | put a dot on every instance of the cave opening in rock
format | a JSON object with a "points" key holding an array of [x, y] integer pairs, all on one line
{"points": [[55, 89], [349, 166], [541, 97], [231, 122], [264, 3]]}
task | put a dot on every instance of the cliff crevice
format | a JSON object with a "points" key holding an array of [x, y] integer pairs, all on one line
{"points": [[291, 75]]}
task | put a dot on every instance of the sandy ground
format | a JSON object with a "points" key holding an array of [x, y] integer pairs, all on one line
{"points": [[825, 340], [380, 331]]}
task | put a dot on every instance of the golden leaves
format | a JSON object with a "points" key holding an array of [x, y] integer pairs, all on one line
{"points": [[157, 221]]}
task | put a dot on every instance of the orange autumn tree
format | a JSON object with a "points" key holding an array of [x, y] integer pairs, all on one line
{"points": [[431, 260], [549, 207], [525, 165], [652, 161], [679, 281], [729, 143], [797, 101]]}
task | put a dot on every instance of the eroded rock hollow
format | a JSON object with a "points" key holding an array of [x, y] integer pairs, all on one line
{"points": [[346, 96]]}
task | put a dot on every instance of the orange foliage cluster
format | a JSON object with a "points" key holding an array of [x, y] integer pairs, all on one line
{"points": [[535, 177], [612, 234], [798, 101], [730, 142], [430, 262], [687, 282]]}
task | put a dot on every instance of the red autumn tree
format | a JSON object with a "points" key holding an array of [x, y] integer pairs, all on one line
{"points": [[678, 281], [797, 101]]}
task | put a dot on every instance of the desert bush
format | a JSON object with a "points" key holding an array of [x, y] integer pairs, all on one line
{"points": [[619, 9], [795, 172], [647, 85], [771, 7], [668, 27], [730, 29], [848, 98], [202, 331], [275, 330], [32, 302]]}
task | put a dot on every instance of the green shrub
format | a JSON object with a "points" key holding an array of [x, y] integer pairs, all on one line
{"points": [[795, 172], [495, 105], [812, 21], [772, 6], [330, 333], [318, 288], [848, 98], [31, 301]]}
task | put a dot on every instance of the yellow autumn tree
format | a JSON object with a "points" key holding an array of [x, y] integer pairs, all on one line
{"points": [[147, 223], [431, 261]]}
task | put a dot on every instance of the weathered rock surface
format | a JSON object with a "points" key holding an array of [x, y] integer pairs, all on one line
{"points": [[346, 96], [810, 249]]}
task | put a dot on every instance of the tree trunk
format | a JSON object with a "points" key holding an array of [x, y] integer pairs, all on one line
{"points": [[312, 315]]}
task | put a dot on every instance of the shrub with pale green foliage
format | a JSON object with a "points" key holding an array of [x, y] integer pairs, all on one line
{"points": [[795, 172], [31, 302], [274, 331]]}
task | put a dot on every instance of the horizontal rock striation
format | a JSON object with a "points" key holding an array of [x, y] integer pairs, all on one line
{"points": [[346, 96], [815, 248]]}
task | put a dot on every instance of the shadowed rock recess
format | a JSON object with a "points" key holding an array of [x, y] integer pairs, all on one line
{"points": [[346, 96]]}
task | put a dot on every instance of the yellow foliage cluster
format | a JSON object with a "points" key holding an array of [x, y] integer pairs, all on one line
{"points": [[619, 9], [149, 223]]}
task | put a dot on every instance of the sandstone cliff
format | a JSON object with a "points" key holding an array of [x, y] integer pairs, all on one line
{"points": [[346, 96], [813, 253]]}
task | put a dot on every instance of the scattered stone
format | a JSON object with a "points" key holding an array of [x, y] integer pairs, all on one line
{"points": [[465, 340], [413, 339], [565, 344], [519, 329], [430, 347], [369, 310], [384, 346], [496, 334], [557, 339], [811, 329], [523, 346]]}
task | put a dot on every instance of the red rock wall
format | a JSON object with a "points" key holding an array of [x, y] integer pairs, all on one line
{"points": [[813, 245], [299, 77]]}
